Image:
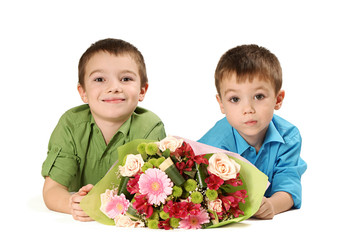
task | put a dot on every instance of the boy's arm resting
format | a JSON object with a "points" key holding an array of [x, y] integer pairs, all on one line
{"points": [[277, 203], [57, 198], [288, 170]]}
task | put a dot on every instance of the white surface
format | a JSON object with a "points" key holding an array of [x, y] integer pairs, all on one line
{"points": [[315, 41]]}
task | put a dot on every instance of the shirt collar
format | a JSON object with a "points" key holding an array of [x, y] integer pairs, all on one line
{"points": [[272, 135], [124, 129], [241, 144]]}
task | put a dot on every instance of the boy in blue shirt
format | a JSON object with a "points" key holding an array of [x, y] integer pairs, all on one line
{"points": [[248, 79]]}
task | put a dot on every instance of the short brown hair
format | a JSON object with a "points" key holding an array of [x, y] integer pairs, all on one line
{"points": [[116, 47], [247, 62]]}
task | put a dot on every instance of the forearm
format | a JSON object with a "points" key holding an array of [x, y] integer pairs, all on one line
{"points": [[281, 201], [56, 196]]}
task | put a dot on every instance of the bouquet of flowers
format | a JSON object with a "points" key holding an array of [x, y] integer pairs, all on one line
{"points": [[176, 183]]}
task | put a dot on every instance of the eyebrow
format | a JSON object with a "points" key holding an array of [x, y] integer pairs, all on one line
{"points": [[229, 90], [235, 90], [122, 72]]}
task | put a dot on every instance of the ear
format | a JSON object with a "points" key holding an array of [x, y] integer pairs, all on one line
{"points": [[143, 92], [279, 100], [219, 100], [82, 93]]}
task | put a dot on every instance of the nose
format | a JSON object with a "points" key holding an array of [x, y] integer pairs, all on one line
{"points": [[248, 107], [114, 86]]}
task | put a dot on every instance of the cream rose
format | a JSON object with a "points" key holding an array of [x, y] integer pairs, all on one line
{"points": [[170, 142], [132, 166], [215, 205], [222, 166], [125, 221]]}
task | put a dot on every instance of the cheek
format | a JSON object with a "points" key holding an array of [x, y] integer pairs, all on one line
{"points": [[266, 113], [234, 119]]}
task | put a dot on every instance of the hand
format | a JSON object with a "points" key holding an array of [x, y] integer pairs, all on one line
{"points": [[266, 210], [75, 199]]}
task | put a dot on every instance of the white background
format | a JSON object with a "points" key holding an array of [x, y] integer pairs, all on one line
{"points": [[182, 41]]}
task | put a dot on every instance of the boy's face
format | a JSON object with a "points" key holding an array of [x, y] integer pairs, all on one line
{"points": [[112, 87], [249, 106]]}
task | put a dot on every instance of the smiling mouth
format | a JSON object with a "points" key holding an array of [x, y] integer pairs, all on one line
{"points": [[113, 100]]}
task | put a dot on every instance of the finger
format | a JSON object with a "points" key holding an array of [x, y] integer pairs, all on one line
{"points": [[76, 206], [76, 198], [262, 208], [259, 212], [86, 188], [79, 213], [83, 219], [265, 214]]}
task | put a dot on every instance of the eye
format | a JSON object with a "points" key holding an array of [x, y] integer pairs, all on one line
{"points": [[234, 99], [126, 79], [99, 79], [259, 97]]}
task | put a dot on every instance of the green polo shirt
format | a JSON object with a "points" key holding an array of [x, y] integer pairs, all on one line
{"points": [[77, 152]]}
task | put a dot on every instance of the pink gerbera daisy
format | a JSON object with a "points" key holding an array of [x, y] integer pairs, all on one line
{"points": [[156, 185], [194, 221], [117, 205]]}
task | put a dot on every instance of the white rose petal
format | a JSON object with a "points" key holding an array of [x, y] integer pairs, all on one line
{"points": [[222, 166], [170, 143], [132, 166]]}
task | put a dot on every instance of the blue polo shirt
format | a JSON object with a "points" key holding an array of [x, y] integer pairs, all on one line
{"points": [[278, 158]]}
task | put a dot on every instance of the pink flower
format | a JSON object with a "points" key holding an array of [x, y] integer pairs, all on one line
{"points": [[215, 205], [194, 221], [117, 205], [156, 185]]}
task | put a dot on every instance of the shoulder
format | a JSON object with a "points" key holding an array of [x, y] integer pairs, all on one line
{"points": [[287, 130], [76, 115], [74, 120], [142, 115], [145, 123], [220, 135]]}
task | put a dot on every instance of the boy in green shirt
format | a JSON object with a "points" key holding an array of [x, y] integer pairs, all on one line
{"points": [[112, 80]]}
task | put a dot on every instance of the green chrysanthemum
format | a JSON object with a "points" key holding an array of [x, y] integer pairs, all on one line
{"points": [[190, 185], [146, 166], [164, 215], [152, 161], [154, 216], [174, 222], [196, 197], [151, 148], [211, 194], [153, 224], [141, 148], [177, 191]]}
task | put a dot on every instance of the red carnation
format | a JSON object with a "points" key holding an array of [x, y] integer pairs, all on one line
{"points": [[132, 185], [235, 181], [142, 206], [181, 209], [165, 224], [214, 182]]}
